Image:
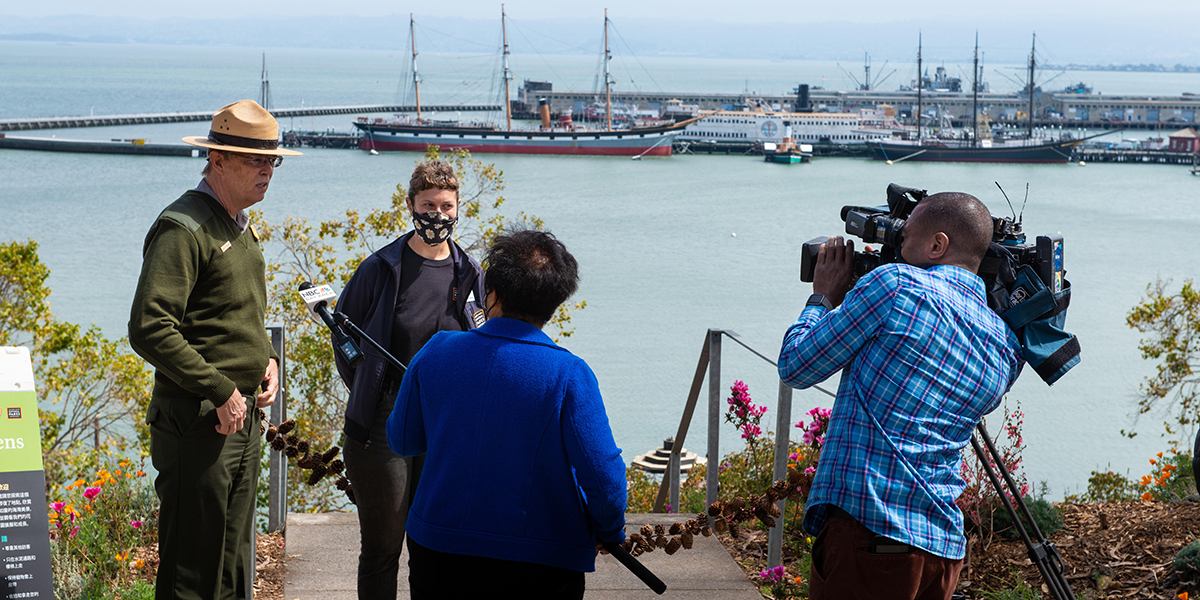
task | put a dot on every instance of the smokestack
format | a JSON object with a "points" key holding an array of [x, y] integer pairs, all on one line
{"points": [[544, 111], [802, 98]]}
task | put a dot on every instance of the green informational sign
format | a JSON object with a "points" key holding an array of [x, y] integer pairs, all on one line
{"points": [[24, 524], [20, 438]]}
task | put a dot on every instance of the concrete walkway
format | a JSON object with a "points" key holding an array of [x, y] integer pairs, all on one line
{"points": [[322, 558]]}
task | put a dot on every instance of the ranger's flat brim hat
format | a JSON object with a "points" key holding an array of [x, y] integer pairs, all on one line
{"points": [[245, 127]]}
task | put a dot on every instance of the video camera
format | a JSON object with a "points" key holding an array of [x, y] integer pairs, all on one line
{"points": [[884, 225], [1025, 281]]}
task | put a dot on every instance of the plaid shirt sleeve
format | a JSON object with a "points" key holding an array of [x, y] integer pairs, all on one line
{"points": [[821, 342]]}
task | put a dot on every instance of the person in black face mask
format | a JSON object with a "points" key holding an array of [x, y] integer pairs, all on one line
{"points": [[401, 295]]}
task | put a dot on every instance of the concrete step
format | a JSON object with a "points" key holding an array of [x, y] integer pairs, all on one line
{"points": [[321, 556]]}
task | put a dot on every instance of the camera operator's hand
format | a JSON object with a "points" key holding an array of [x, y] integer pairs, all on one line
{"points": [[834, 269]]}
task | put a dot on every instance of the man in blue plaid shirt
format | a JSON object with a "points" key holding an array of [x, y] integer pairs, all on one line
{"points": [[923, 359]]}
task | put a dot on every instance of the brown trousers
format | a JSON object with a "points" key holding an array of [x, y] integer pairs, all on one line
{"points": [[844, 568]]}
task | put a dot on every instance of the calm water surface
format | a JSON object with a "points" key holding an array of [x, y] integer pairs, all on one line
{"points": [[655, 238]]}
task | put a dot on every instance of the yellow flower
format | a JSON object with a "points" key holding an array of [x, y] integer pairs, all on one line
{"points": [[1159, 455], [1153, 462], [1147, 496], [121, 556], [1182, 596], [798, 580]]}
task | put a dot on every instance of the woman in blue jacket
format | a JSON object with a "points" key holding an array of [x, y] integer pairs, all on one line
{"points": [[522, 477]]}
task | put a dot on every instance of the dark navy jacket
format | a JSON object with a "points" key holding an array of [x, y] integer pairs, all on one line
{"points": [[369, 300]]}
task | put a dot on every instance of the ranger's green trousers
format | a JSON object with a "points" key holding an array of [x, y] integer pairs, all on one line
{"points": [[206, 485]]}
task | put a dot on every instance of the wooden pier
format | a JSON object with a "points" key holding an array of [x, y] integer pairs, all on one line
{"points": [[322, 139], [183, 117], [1133, 156], [137, 147]]}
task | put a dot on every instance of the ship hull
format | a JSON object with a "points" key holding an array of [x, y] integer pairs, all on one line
{"points": [[648, 142], [1055, 152]]}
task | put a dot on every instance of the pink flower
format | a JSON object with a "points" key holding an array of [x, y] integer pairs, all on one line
{"points": [[91, 492], [136, 524], [774, 574], [58, 506], [74, 531], [810, 470], [750, 431]]}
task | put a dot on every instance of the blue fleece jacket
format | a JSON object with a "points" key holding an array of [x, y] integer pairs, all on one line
{"points": [[520, 460]]}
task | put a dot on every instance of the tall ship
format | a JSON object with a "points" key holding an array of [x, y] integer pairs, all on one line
{"points": [[561, 137], [972, 146]]}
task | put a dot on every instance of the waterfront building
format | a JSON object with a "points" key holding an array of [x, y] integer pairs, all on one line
{"points": [[1185, 140]]}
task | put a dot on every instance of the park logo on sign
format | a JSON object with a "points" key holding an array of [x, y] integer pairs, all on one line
{"points": [[14, 412]]}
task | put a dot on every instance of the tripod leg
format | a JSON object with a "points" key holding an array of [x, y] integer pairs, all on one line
{"points": [[1042, 552]]}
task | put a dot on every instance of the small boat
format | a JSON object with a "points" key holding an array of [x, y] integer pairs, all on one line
{"points": [[787, 151], [564, 138]]}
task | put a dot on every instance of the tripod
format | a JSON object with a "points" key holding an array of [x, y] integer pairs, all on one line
{"points": [[1041, 551]]}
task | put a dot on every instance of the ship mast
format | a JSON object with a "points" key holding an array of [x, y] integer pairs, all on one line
{"points": [[607, 76], [266, 86], [507, 74], [1031, 63], [920, 83], [416, 77], [975, 95]]}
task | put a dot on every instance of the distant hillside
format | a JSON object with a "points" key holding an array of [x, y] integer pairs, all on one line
{"points": [[1115, 42]]}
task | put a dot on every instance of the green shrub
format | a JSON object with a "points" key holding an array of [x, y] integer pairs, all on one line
{"points": [[1110, 487], [1171, 477], [1187, 562], [1014, 588], [1045, 515]]}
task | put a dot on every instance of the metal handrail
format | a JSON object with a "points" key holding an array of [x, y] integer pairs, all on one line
{"points": [[710, 362], [277, 473]]}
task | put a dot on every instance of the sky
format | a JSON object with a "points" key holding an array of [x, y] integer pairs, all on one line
{"points": [[1096, 32], [1168, 13]]}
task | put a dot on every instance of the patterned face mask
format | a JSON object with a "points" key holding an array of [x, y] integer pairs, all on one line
{"points": [[433, 227]]}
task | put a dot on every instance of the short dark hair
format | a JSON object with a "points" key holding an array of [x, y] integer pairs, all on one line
{"points": [[964, 219], [531, 273]]}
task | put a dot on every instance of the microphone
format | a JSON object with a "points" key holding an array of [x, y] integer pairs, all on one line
{"points": [[317, 298]]}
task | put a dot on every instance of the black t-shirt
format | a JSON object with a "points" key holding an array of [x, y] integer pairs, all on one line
{"points": [[425, 304]]}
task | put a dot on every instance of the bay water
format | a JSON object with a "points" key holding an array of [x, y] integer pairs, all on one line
{"points": [[668, 247]]}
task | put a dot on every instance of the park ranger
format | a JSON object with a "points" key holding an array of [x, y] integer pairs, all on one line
{"points": [[198, 317]]}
